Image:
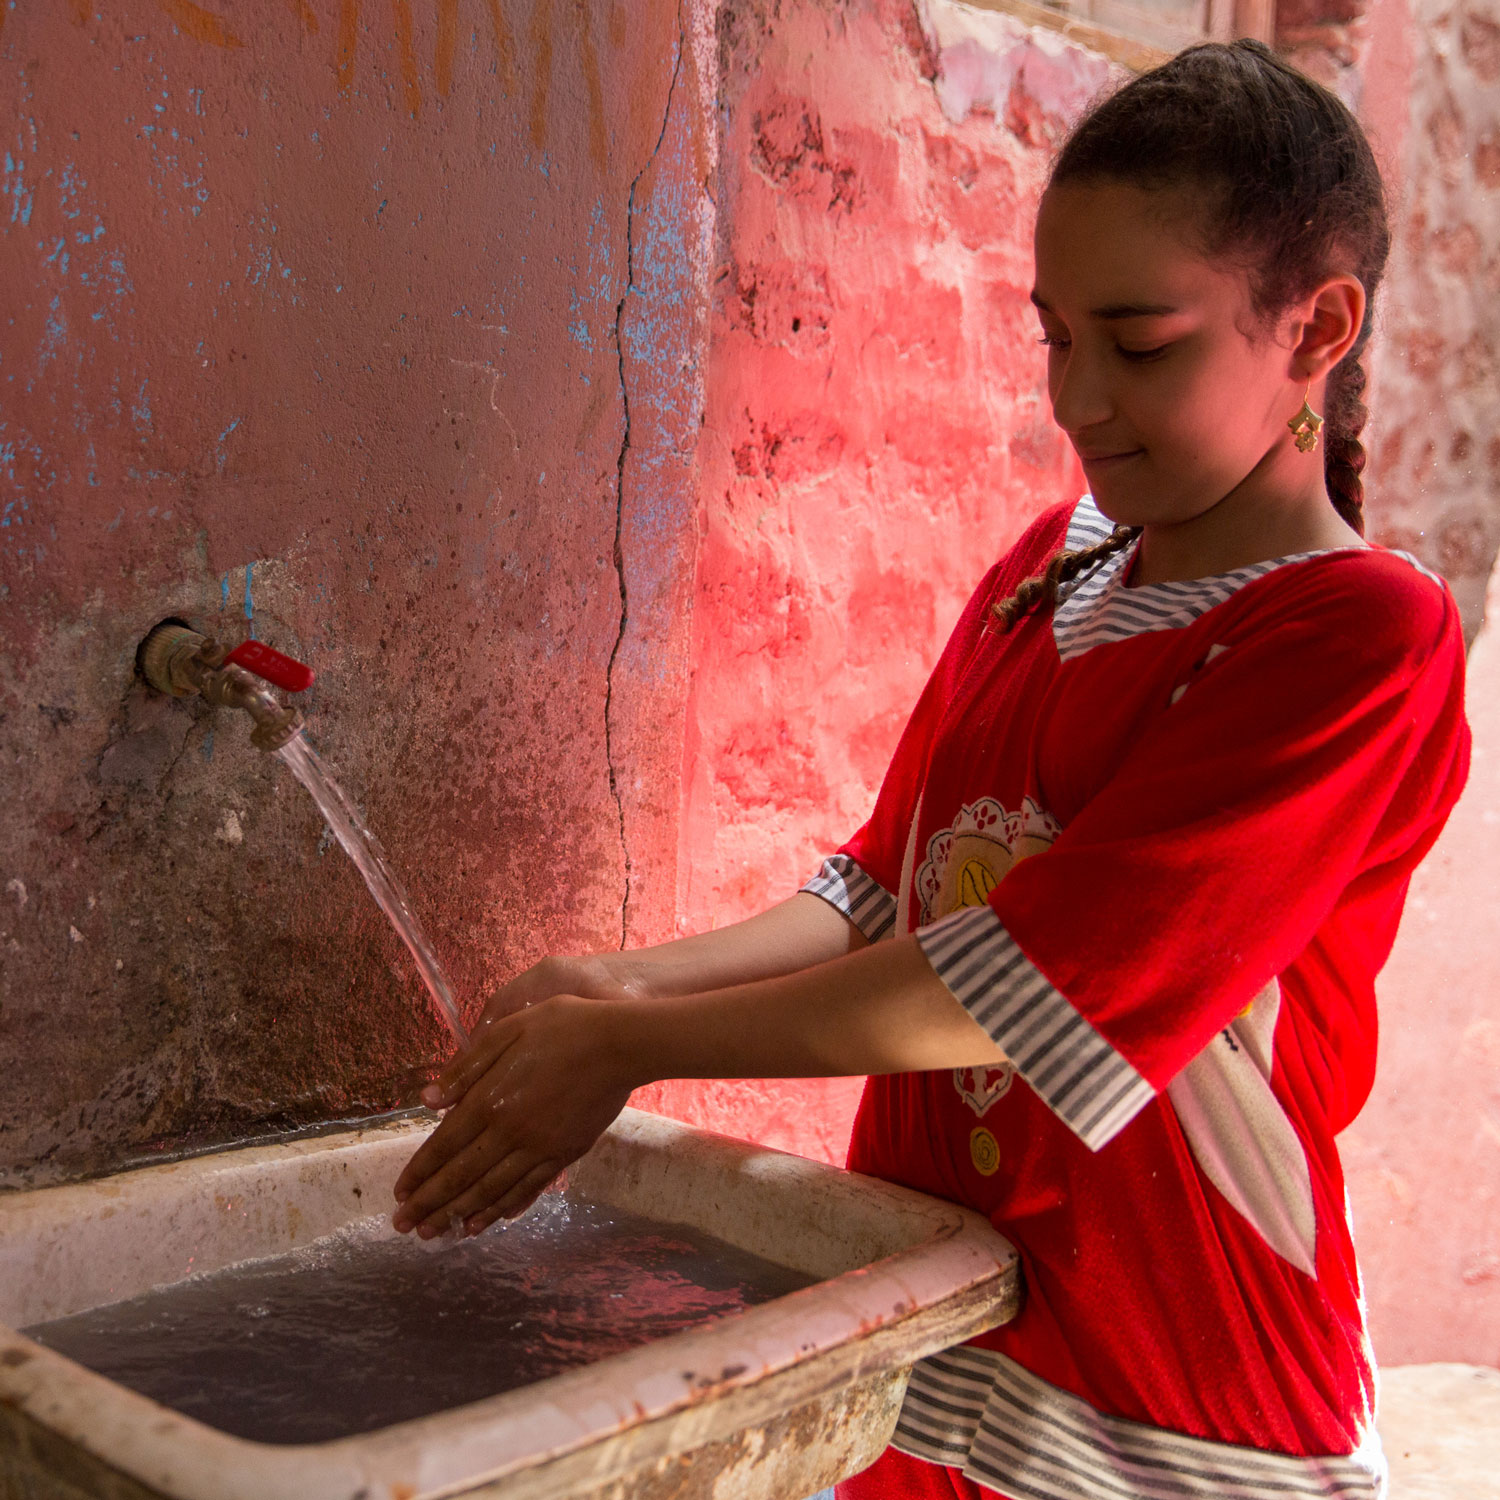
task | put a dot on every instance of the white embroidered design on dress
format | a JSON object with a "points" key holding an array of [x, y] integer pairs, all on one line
{"points": [[964, 863]]}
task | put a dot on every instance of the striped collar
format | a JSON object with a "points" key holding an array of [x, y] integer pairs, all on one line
{"points": [[1096, 609]]}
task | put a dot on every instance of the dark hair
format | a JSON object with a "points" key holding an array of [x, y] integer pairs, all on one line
{"points": [[1291, 188]]}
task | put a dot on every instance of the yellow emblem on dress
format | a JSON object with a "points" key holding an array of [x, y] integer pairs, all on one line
{"points": [[975, 882], [984, 1151]]}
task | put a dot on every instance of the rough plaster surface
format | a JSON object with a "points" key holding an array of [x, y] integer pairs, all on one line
{"points": [[344, 325], [1423, 1159], [876, 432], [1435, 439]]}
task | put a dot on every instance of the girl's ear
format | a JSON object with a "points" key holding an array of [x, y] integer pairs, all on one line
{"points": [[1326, 327]]}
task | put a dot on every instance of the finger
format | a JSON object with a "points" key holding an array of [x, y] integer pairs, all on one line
{"points": [[516, 1169], [431, 1204], [541, 980], [454, 1209], [465, 1070], [515, 1202], [458, 1129]]}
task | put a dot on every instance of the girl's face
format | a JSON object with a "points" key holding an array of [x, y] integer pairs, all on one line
{"points": [[1170, 390]]}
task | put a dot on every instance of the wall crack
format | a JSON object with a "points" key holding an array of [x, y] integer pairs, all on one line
{"points": [[619, 553]]}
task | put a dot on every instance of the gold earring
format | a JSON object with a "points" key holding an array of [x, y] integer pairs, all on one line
{"points": [[1305, 425]]}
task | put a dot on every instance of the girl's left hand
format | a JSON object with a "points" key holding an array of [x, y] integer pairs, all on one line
{"points": [[537, 1089]]}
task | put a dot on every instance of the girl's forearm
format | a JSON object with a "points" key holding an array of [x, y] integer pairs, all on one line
{"points": [[879, 1010], [536, 1087], [793, 935]]}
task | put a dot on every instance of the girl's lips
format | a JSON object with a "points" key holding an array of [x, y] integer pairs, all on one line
{"points": [[1107, 460]]}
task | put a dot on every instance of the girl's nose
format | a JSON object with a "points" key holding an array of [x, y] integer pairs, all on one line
{"points": [[1080, 391]]}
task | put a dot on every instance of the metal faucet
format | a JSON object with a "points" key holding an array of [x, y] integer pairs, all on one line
{"points": [[176, 659]]}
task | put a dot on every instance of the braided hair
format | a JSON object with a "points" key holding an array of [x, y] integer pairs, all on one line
{"points": [[1290, 187]]}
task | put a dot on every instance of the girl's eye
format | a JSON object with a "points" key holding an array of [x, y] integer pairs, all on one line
{"points": [[1053, 341], [1142, 356]]}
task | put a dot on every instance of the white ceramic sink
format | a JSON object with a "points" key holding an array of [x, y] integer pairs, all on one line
{"points": [[774, 1402]]}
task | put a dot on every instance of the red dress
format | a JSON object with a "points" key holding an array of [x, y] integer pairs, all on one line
{"points": [[1157, 841]]}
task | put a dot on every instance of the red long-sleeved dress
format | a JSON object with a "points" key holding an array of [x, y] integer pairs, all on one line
{"points": [[1156, 840]]}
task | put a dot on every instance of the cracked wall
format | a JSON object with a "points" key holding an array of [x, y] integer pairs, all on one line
{"points": [[311, 326]]}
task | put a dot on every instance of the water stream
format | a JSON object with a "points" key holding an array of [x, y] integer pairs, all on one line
{"points": [[369, 859]]}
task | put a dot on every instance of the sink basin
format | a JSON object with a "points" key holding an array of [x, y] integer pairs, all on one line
{"points": [[772, 1402]]}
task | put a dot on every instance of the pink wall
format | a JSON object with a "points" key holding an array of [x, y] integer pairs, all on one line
{"points": [[875, 433], [1435, 467]]}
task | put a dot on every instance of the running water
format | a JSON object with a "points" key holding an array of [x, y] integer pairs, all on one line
{"points": [[369, 858]]}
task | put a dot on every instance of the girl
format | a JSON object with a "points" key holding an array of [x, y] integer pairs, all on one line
{"points": [[1107, 944]]}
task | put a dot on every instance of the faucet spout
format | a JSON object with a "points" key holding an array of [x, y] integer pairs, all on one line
{"points": [[176, 659]]}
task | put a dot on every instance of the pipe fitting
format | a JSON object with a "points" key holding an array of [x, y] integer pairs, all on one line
{"points": [[176, 659]]}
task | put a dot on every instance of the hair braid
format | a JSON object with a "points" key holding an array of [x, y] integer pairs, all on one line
{"points": [[1062, 567], [1343, 453]]}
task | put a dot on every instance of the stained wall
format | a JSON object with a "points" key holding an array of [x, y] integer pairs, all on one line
{"points": [[370, 330], [1435, 449], [876, 432]]}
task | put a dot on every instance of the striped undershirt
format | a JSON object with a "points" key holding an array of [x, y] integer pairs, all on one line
{"points": [[975, 1410]]}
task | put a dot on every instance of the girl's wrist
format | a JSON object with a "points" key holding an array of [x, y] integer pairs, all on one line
{"points": [[630, 1042]]}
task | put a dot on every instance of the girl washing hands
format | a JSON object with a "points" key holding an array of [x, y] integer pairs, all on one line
{"points": [[1107, 943]]}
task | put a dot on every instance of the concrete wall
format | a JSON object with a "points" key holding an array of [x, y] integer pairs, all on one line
{"points": [[1435, 470], [876, 433], [371, 329]]}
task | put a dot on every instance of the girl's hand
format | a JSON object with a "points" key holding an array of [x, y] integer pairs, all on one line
{"points": [[536, 1087], [592, 977]]}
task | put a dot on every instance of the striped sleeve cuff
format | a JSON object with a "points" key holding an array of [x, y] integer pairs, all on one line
{"points": [[864, 901], [1091, 1087]]}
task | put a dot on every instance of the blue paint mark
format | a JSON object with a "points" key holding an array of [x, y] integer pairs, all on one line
{"points": [[16, 190], [224, 592], [378, 211], [249, 602], [68, 185], [115, 524], [55, 332], [228, 430], [140, 413], [206, 749]]}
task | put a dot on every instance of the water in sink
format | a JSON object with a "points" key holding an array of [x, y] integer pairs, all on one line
{"points": [[365, 1328]]}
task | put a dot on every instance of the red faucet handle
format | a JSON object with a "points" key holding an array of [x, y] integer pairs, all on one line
{"points": [[282, 671]]}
